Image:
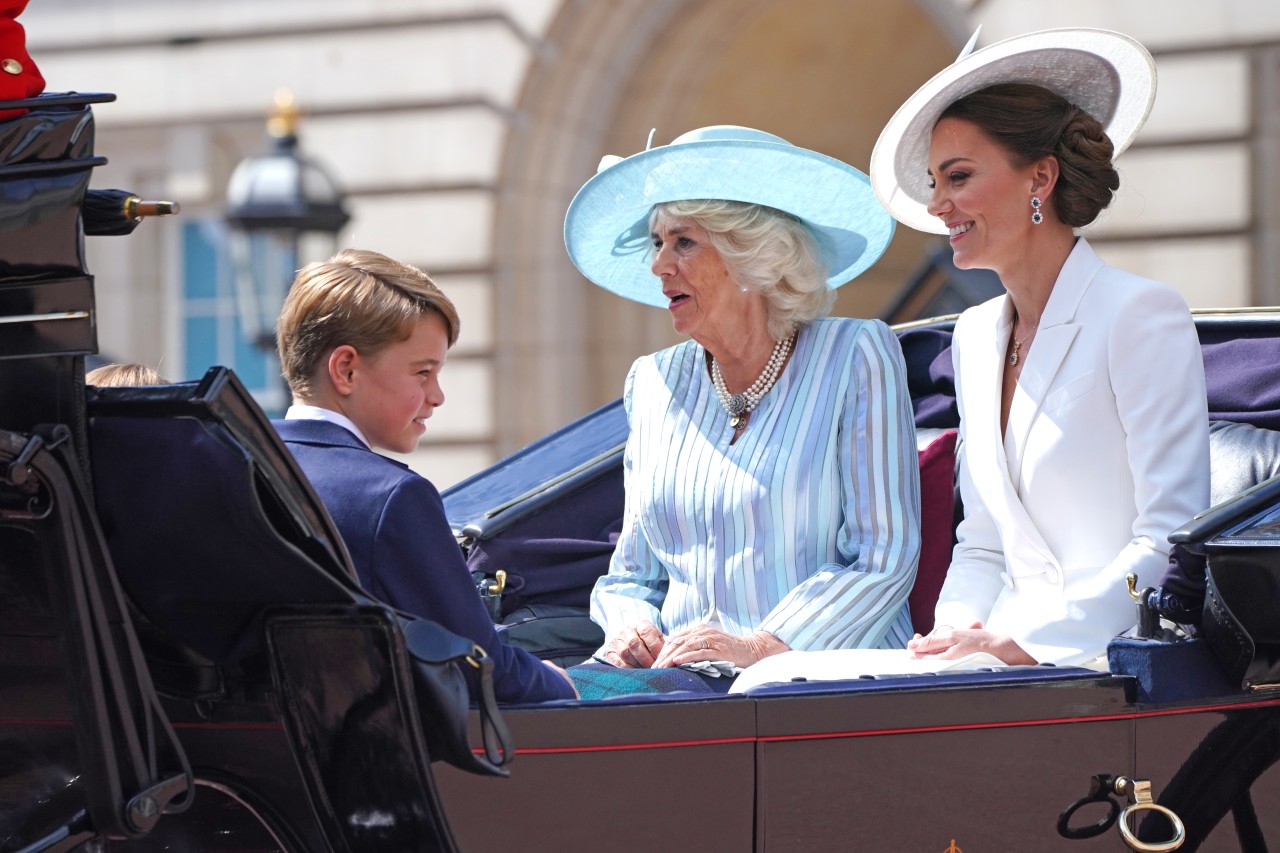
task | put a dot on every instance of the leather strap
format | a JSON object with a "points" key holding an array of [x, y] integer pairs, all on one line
{"points": [[499, 748]]}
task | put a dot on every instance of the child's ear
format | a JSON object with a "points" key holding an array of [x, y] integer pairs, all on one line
{"points": [[342, 368]]}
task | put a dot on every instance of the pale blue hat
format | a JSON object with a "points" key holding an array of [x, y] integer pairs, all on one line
{"points": [[606, 229]]}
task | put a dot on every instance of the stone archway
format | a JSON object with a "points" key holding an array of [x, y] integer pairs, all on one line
{"points": [[825, 74]]}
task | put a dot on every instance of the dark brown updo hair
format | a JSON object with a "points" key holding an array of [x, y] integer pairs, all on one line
{"points": [[1030, 122]]}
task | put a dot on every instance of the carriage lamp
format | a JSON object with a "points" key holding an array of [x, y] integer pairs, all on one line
{"points": [[280, 206]]}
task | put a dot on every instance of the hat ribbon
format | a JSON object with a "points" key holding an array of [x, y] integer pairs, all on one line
{"points": [[613, 159]]}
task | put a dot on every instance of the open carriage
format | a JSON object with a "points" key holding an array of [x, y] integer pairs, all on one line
{"points": [[912, 761], [186, 662]]}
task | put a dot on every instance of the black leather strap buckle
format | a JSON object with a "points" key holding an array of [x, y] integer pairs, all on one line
{"points": [[1101, 787]]}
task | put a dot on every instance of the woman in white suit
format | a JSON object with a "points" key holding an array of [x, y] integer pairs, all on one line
{"points": [[1081, 390]]}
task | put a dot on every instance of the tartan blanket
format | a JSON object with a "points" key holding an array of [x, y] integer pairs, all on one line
{"points": [[602, 681]]}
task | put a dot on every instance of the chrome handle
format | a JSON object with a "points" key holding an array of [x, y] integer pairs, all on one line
{"points": [[1139, 790]]}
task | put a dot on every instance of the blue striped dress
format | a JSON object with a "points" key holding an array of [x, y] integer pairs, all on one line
{"points": [[808, 527]]}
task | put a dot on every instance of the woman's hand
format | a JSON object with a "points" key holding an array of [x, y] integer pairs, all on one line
{"points": [[702, 642], [635, 646], [947, 643]]}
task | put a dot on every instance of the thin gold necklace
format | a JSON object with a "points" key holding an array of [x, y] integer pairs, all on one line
{"points": [[1017, 342]]}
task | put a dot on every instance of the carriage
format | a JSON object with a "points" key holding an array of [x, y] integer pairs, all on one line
{"points": [[187, 663]]}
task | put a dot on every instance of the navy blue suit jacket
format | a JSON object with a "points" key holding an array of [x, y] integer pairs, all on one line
{"points": [[393, 523]]}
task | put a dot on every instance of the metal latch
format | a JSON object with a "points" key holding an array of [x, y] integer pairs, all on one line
{"points": [[1102, 788]]}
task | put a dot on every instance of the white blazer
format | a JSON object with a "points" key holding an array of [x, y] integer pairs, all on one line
{"points": [[1109, 452]]}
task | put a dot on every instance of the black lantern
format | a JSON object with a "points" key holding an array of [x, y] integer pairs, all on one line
{"points": [[278, 205]]}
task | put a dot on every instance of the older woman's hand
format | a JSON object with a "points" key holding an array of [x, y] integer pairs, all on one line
{"points": [[702, 642], [635, 646], [947, 643]]}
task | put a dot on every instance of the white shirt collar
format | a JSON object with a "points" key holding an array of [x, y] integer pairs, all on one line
{"points": [[298, 412]]}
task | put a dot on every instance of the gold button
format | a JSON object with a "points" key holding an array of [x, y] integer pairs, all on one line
{"points": [[11, 66]]}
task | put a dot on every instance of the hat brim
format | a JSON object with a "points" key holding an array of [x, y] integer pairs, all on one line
{"points": [[1108, 75], [606, 228]]}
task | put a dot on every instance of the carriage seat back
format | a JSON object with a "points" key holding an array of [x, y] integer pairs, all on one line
{"points": [[207, 518]]}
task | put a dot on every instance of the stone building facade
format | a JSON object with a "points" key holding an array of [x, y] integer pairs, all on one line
{"points": [[461, 128]]}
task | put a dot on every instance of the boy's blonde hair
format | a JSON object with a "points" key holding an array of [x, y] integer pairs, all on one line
{"points": [[360, 298], [123, 374]]}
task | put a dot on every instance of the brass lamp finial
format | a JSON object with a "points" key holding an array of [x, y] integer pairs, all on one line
{"points": [[284, 116]]}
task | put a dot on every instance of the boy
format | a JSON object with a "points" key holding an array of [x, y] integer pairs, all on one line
{"points": [[362, 340]]}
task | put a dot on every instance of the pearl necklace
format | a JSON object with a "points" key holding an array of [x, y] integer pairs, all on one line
{"points": [[740, 406]]}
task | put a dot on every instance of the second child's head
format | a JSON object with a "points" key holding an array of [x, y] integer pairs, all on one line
{"points": [[365, 335], [123, 375]]}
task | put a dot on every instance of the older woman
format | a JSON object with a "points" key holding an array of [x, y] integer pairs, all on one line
{"points": [[771, 470], [1081, 390]]}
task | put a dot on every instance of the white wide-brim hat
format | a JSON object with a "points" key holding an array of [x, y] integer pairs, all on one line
{"points": [[1106, 74], [606, 229]]}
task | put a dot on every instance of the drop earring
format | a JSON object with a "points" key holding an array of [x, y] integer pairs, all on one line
{"points": [[1036, 216]]}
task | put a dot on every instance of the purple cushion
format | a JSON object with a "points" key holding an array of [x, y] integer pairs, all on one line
{"points": [[937, 535]]}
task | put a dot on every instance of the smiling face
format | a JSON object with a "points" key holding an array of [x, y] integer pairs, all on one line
{"points": [[702, 295], [982, 197], [396, 389]]}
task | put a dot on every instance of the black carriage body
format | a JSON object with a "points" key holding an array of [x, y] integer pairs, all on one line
{"points": [[969, 761], [140, 705], [127, 611]]}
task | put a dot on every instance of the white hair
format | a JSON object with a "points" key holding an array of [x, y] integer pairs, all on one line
{"points": [[765, 250]]}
